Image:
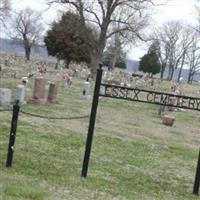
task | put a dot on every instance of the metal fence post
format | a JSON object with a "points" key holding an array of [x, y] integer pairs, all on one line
{"points": [[197, 177], [92, 122], [13, 129]]}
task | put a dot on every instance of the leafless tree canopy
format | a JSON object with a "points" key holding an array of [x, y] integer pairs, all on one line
{"points": [[5, 8], [130, 15], [26, 28], [193, 57]]}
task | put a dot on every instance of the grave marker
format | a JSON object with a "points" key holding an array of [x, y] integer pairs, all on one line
{"points": [[86, 90], [52, 94], [168, 120], [20, 93], [5, 97], [39, 91]]}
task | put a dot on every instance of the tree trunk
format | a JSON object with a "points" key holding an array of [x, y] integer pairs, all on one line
{"points": [[67, 61], [27, 52], [57, 63], [180, 72], [95, 60], [162, 71], [192, 78], [181, 68], [189, 76], [114, 60], [170, 73]]}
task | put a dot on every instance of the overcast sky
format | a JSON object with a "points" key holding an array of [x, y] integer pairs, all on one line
{"points": [[173, 10]]}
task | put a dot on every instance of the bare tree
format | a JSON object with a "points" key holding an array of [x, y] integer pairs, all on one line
{"points": [[5, 8], [193, 58], [174, 40], [185, 42], [26, 28], [131, 15]]}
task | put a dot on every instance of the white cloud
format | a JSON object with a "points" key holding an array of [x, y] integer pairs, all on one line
{"points": [[176, 9]]}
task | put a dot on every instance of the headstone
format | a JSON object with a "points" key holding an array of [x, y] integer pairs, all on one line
{"points": [[47, 85], [172, 101], [20, 93], [76, 73], [102, 90], [39, 91], [17, 74], [83, 73], [25, 81], [151, 82], [168, 120], [1, 73], [5, 97], [7, 61], [86, 90], [52, 94]]}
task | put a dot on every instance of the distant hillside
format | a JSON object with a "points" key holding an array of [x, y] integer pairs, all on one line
{"points": [[133, 66], [7, 45]]}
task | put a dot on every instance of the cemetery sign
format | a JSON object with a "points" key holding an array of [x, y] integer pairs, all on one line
{"points": [[148, 96]]}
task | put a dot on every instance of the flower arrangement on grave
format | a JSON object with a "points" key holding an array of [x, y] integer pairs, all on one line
{"points": [[24, 80], [67, 79], [31, 74], [42, 70], [88, 78]]}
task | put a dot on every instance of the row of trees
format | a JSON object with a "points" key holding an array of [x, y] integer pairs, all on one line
{"points": [[97, 23], [96, 30], [174, 45]]}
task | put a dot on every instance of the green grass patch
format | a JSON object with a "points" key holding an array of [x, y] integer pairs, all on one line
{"points": [[134, 156]]}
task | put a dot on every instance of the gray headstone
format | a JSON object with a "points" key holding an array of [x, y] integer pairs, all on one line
{"points": [[52, 94], [20, 93], [5, 97]]}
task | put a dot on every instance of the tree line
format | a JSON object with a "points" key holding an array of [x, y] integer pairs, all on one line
{"points": [[98, 31], [177, 45]]}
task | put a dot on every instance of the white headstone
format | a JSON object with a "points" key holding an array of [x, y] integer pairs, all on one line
{"points": [[102, 90], [86, 89], [20, 93], [47, 85], [5, 97], [83, 73]]}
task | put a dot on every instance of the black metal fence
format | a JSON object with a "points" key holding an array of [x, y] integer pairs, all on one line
{"points": [[117, 92], [138, 95]]}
